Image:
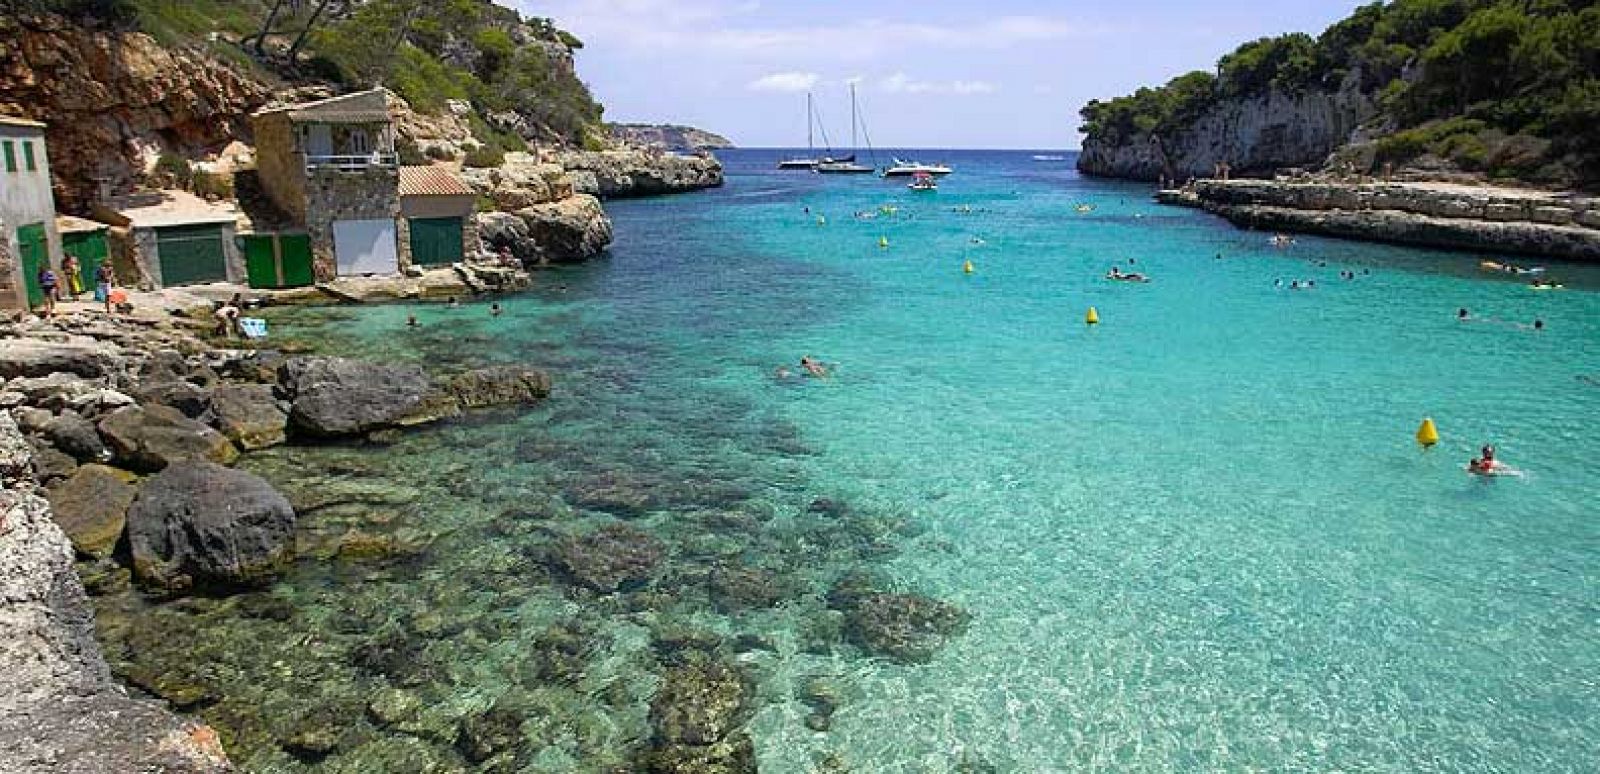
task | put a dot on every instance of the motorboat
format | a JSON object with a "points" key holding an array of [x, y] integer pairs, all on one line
{"points": [[923, 181], [1047, 157], [902, 168]]}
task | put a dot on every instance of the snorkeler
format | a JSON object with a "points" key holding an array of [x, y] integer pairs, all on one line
{"points": [[813, 367]]}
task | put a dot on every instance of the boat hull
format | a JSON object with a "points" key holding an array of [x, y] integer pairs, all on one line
{"points": [[844, 169]]}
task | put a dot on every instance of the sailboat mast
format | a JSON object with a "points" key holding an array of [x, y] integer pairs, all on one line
{"points": [[810, 123], [852, 116]]}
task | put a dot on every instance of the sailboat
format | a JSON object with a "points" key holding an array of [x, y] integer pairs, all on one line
{"points": [[848, 165], [809, 161]]}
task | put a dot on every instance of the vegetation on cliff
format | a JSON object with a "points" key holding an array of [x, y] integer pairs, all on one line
{"points": [[516, 73], [1508, 88]]}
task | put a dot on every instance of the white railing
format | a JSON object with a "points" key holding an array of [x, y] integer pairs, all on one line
{"points": [[351, 163]]}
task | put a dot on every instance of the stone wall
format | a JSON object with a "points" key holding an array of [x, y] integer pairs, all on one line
{"points": [[279, 165], [372, 193]]}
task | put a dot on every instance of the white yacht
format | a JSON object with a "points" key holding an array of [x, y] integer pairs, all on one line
{"points": [[808, 161], [847, 165], [903, 168]]}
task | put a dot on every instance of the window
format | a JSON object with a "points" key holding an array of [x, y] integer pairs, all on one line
{"points": [[27, 156], [11, 156]]}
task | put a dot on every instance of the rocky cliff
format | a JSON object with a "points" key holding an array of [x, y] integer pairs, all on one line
{"points": [[1462, 217], [1255, 135], [114, 101], [669, 136], [621, 174], [60, 709]]}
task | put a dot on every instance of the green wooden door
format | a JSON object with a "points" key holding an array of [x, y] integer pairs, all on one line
{"points": [[89, 247], [435, 241], [35, 251], [260, 260], [296, 254], [191, 254]]}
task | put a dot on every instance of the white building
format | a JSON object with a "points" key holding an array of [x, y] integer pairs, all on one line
{"points": [[28, 236]]}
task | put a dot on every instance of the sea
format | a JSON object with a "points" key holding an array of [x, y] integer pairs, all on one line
{"points": [[1198, 535]]}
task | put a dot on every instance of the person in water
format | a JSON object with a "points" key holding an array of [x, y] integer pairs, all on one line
{"points": [[495, 310], [1487, 465], [454, 302], [813, 367], [1538, 324], [1461, 314], [411, 321]]}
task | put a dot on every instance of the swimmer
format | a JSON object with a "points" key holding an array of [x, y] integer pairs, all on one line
{"points": [[454, 302], [495, 310], [813, 367], [1461, 314], [1277, 283], [783, 373], [1538, 324], [1295, 285], [411, 321]]}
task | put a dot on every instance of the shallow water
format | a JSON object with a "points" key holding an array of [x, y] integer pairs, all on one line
{"points": [[1198, 536]]}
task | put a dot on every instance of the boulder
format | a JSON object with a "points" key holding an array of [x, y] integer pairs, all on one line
{"points": [[201, 524], [566, 231], [249, 415], [76, 436], [612, 558], [36, 357], [54, 391], [51, 464], [148, 438], [500, 386], [333, 397], [31, 419], [92, 507], [192, 400]]}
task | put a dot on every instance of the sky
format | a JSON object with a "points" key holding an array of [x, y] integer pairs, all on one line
{"points": [[931, 74]]}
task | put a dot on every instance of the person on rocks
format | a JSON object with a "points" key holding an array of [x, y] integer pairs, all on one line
{"points": [[105, 278], [227, 319], [48, 287], [69, 275]]}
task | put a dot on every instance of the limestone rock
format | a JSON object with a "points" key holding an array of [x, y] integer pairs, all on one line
{"points": [[198, 523], [16, 455], [521, 182], [148, 438], [190, 399], [249, 415], [611, 558], [500, 386], [565, 231], [626, 173], [61, 711], [907, 628], [338, 397], [39, 358], [92, 508], [76, 436]]}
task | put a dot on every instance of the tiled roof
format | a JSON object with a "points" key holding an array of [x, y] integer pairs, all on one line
{"points": [[431, 181], [16, 121], [362, 107]]}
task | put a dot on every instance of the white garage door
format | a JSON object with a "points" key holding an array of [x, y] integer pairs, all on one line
{"points": [[365, 247]]}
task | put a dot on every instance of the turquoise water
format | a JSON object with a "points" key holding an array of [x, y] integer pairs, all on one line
{"points": [[1198, 536]]}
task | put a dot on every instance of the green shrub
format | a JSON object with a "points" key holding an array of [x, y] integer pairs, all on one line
{"points": [[484, 157]]}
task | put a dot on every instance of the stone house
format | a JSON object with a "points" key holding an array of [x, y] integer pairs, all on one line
{"points": [[331, 167], [437, 208], [171, 238], [27, 213]]}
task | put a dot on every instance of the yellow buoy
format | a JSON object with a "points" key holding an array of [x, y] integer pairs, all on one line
{"points": [[1093, 317], [966, 268], [883, 241], [1427, 434]]}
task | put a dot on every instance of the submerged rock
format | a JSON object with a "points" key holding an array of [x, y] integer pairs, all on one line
{"points": [[696, 716], [484, 733], [149, 438], [736, 588], [907, 628], [612, 558], [92, 508], [198, 523]]}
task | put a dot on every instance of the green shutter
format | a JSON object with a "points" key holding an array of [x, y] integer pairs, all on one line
{"points": [[27, 156], [35, 256], [11, 156], [191, 254], [89, 247], [296, 253], [260, 264], [435, 241]]}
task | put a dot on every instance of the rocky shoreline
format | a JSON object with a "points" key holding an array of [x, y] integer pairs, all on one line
{"points": [[621, 174], [114, 443], [1459, 217]]}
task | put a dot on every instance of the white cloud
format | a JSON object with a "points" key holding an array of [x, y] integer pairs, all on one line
{"points": [[900, 83], [785, 82]]}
